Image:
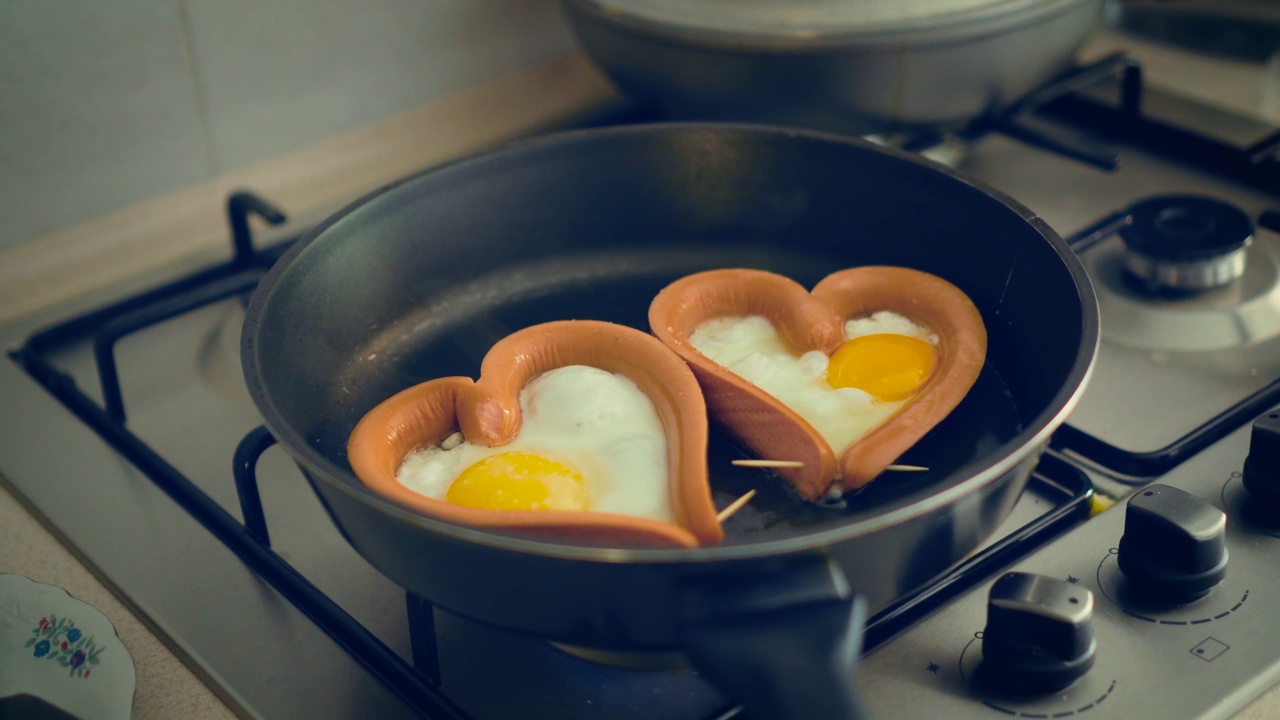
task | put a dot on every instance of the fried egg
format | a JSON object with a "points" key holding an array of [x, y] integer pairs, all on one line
{"points": [[589, 440], [885, 358]]}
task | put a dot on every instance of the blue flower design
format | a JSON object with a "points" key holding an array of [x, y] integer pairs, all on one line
{"points": [[73, 634], [42, 648], [77, 659]]}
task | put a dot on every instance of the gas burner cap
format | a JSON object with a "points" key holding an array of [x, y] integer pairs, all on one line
{"points": [[1186, 242]]}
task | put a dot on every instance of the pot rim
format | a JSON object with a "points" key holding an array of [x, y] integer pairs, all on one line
{"points": [[945, 29]]}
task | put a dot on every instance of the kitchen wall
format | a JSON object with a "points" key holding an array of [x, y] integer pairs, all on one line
{"points": [[105, 104]]}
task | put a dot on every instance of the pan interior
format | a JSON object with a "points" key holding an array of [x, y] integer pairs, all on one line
{"points": [[420, 281], [450, 336]]}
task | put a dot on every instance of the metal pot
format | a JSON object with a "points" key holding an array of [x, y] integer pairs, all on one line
{"points": [[853, 67], [420, 279]]}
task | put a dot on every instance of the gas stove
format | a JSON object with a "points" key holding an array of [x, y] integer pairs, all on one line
{"points": [[137, 443]]}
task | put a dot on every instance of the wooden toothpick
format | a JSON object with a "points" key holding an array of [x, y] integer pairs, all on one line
{"points": [[735, 506], [768, 463], [798, 464]]}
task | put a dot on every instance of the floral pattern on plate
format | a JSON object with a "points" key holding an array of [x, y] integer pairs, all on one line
{"points": [[59, 639]]}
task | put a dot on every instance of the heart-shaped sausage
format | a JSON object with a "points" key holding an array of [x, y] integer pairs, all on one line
{"points": [[815, 321], [488, 413]]}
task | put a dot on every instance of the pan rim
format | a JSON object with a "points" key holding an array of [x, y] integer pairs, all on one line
{"points": [[1034, 435]]}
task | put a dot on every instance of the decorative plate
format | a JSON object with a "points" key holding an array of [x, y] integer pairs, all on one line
{"points": [[61, 651]]}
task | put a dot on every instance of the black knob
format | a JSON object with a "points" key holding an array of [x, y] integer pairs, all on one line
{"points": [[1174, 547], [1039, 634], [1262, 466]]}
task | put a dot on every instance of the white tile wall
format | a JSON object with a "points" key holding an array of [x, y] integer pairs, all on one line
{"points": [[282, 74], [103, 104], [97, 110]]}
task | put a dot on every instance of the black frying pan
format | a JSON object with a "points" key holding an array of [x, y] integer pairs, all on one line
{"points": [[419, 279]]}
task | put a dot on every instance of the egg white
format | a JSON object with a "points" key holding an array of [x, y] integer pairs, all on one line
{"points": [[751, 348], [599, 422]]}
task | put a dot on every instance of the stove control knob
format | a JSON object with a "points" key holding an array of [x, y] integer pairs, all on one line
{"points": [[1174, 547], [1262, 467], [1039, 634]]}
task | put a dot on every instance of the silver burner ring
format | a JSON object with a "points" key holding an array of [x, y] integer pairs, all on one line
{"points": [[1194, 275], [1188, 243]]}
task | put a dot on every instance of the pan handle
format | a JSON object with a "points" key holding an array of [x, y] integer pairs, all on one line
{"points": [[784, 644]]}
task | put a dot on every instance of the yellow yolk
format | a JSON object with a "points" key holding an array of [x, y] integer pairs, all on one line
{"points": [[519, 481], [890, 367]]}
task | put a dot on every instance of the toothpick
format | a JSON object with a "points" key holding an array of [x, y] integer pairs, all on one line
{"points": [[768, 463], [735, 506], [798, 464]]}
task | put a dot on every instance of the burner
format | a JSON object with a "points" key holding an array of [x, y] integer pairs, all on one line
{"points": [[1186, 242], [1192, 291]]}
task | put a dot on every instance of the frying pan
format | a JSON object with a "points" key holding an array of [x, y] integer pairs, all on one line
{"points": [[866, 66], [420, 278]]}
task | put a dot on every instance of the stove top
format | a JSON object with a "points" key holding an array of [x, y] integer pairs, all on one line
{"points": [[137, 439]]}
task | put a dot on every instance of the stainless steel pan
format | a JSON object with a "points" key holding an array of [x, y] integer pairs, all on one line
{"points": [[850, 66]]}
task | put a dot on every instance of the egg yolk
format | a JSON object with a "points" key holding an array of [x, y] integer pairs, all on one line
{"points": [[519, 481], [888, 366]]}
